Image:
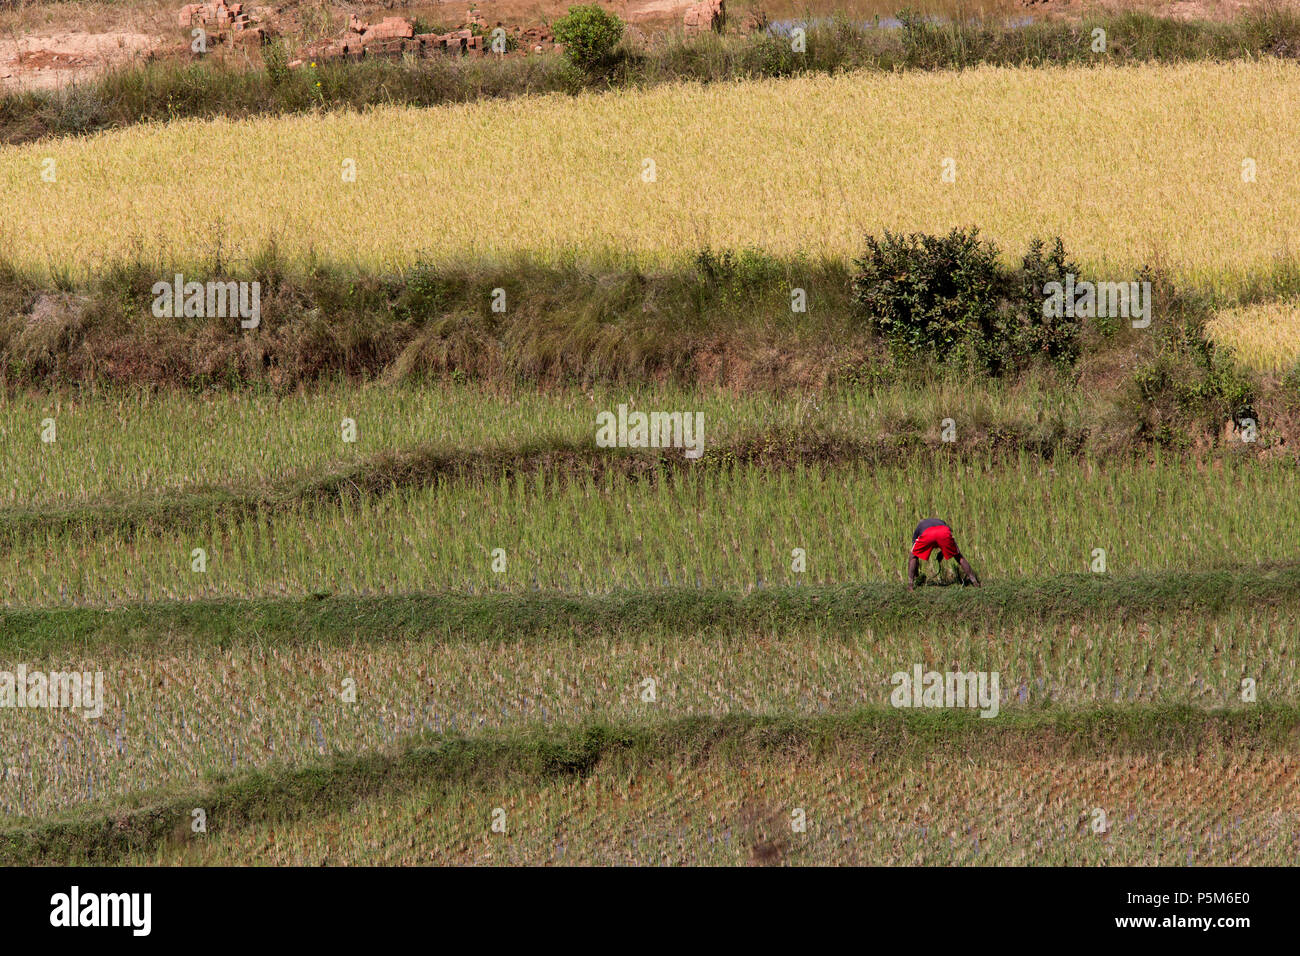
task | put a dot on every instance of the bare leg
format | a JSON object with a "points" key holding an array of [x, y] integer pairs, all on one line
{"points": [[966, 569], [912, 565]]}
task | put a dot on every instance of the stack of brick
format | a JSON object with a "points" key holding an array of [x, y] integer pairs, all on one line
{"points": [[220, 19], [392, 37], [389, 28], [457, 41]]}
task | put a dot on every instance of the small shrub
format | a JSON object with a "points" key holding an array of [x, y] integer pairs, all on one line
{"points": [[747, 269], [1291, 387], [768, 56], [424, 295], [81, 109], [275, 56], [1025, 331], [739, 277], [589, 35], [929, 293], [420, 25], [922, 38]]}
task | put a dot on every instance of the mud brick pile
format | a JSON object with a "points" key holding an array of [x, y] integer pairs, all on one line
{"points": [[392, 36], [221, 19], [534, 37]]}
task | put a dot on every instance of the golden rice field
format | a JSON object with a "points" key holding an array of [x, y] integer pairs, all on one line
{"points": [[1265, 337], [1129, 165]]}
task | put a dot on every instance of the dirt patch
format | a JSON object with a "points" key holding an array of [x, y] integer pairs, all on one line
{"points": [[657, 10], [48, 62]]}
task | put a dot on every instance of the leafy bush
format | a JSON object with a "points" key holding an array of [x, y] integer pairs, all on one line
{"points": [[767, 56], [928, 293], [589, 35], [1026, 331], [947, 296]]}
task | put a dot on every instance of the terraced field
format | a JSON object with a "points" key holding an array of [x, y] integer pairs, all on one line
{"points": [[854, 811], [354, 674], [359, 524], [177, 714], [638, 591], [364, 583], [127, 446]]}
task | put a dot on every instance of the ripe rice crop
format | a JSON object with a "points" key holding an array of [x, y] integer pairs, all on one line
{"points": [[1117, 161], [1265, 336]]}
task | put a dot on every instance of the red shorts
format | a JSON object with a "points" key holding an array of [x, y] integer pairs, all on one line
{"points": [[939, 537]]}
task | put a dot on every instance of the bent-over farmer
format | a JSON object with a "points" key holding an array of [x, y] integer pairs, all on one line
{"points": [[932, 533]]}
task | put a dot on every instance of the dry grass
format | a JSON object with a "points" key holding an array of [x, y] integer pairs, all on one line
{"points": [[89, 16], [1118, 162]]}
